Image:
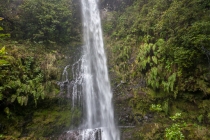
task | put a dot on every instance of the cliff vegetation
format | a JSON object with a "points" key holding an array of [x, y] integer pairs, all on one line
{"points": [[159, 58], [37, 39]]}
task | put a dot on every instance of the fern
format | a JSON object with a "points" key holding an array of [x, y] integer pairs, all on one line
{"points": [[160, 42], [171, 81], [2, 51], [148, 59], [165, 86], [157, 84], [24, 100], [154, 47], [154, 72], [19, 99], [144, 64], [3, 56], [13, 97], [169, 85], [154, 59]]}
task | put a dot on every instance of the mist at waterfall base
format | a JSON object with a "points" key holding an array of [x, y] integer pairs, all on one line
{"points": [[90, 84]]}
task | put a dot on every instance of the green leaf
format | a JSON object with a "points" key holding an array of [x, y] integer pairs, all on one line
{"points": [[25, 100], [6, 110], [22, 100], [154, 59], [2, 51], [4, 63], [19, 99], [42, 95], [13, 97]]}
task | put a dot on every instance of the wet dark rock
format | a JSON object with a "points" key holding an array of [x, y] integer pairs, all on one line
{"points": [[86, 134], [145, 118], [140, 119], [150, 115], [1, 127]]}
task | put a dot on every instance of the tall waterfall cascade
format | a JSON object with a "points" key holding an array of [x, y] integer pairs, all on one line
{"points": [[91, 83]]}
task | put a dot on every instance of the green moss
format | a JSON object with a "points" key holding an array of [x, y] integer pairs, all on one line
{"points": [[11, 126], [49, 122]]}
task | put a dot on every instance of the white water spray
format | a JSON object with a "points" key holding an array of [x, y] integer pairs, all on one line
{"points": [[90, 82], [96, 88]]}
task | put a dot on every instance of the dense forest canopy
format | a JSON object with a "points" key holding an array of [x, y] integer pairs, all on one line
{"points": [[42, 21]]}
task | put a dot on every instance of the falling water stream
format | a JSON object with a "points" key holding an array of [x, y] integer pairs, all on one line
{"points": [[92, 76]]}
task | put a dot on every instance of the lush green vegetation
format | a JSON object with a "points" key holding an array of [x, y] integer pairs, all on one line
{"points": [[35, 36], [157, 36], [160, 50], [158, 55], [41, 21]]}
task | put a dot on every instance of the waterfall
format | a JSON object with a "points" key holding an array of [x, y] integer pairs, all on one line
{"points": [[97, 93], [93, 80]]}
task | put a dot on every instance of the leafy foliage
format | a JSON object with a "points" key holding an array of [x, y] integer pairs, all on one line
{"points": [[47, 21], [3, 62], [3, 35], [21, 79], [157, 107], [174, 132], [29, 71], [42, 21], [169, 51], [165, 40]]}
